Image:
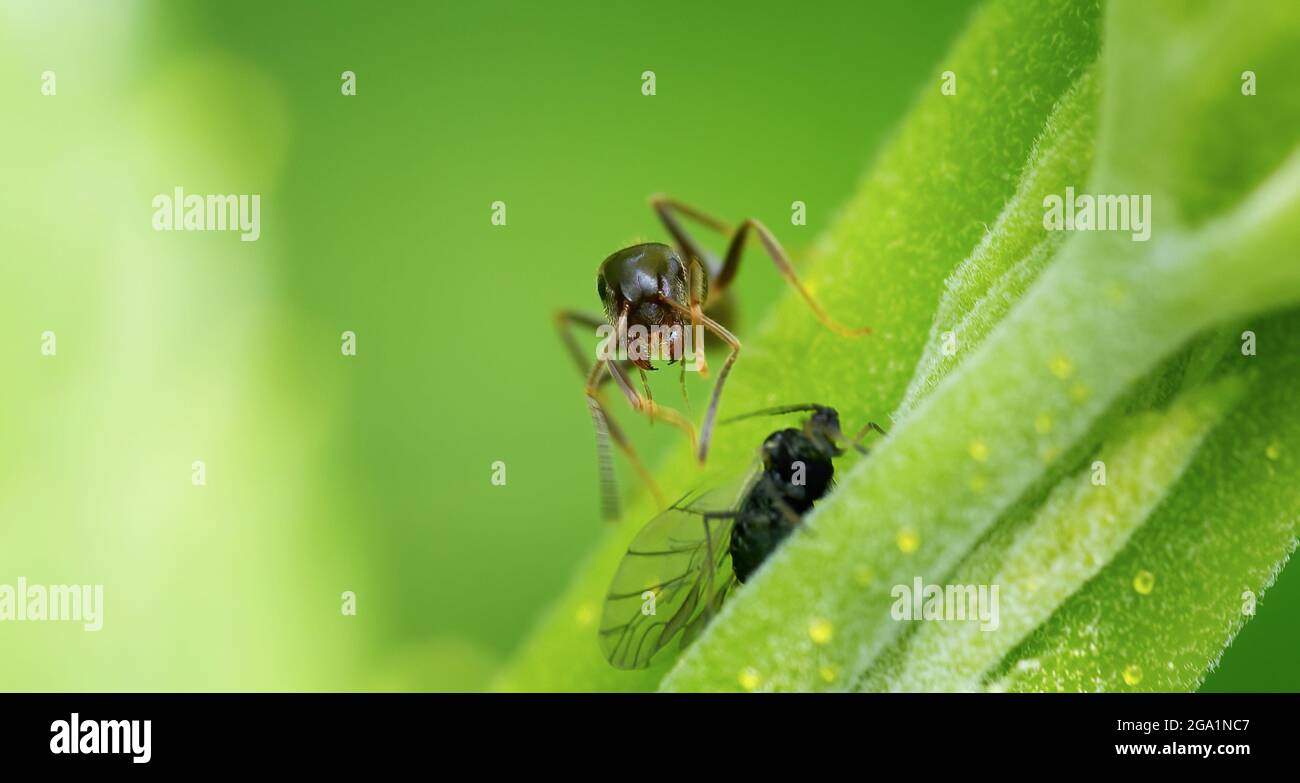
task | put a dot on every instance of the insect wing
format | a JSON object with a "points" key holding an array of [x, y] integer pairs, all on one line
{"points": [[667, 582]]}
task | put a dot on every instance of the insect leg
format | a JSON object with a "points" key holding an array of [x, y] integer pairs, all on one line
{"points": [[862, 433], [731, 264], [712, 516], [606, 426], [706, 430], [696, 284], [565, 320], [607, 429], [708, 561], [645, 385], [686, 399], [650, 407], [698, 274], [792, 517], [668, 209]]}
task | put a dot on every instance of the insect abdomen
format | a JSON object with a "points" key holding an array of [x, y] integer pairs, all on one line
{"points": [[760, 528], [771, 509]]}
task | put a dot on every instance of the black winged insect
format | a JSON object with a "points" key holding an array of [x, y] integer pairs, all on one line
{"points": [[685, 562]]}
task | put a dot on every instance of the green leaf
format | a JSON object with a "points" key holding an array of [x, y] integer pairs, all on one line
{"points": [[1062, 342], [1010, 256], [925, 206], [1224, 531], [1103, 315], [1161, 612], [1039, 562]]}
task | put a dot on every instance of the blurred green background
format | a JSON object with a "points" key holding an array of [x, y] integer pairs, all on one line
{"points": [[371, 473]]}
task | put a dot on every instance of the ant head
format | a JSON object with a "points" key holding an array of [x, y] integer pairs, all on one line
{"points": [[640, 281]]}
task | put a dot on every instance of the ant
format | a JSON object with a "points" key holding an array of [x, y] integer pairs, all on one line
{"points": [[661, 289]]}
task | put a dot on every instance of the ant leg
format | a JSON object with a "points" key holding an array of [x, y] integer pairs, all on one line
{"points": [[625, 446], [706, 431], [686, 399], [605, 463], [667, 209], [565, 320], [647, 479], [652, 409], [646, 403], [607, 429], [700, 266], [645, 385], [731, 264], [696, 283], [606, 426]]}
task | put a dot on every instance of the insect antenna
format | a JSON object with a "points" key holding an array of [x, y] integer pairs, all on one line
{"points": [[777, 411]]}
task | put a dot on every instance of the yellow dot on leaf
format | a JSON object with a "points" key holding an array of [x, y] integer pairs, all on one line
{"points": [[1144, 582], [820, 630], [908, 541], [1132, 674], [750, 678]]}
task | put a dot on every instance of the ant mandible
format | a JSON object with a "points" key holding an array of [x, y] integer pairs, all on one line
{"points": [[661, 290]]}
